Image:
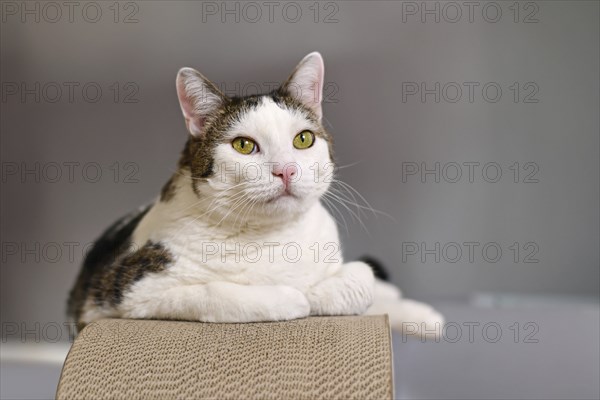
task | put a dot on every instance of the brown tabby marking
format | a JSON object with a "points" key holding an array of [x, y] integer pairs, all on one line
{"points": [[168, 190], [122, 274]]}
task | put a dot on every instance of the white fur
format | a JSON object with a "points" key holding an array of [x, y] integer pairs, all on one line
{"points": [[408, 316], [234, 213], [229, 234], [204, 287]]}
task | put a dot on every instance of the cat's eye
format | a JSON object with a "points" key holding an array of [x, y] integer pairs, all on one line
{"points": [[244, 145], [304, 140]]}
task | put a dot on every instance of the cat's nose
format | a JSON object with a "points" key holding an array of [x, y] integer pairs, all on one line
{"points": [[286, 173]]}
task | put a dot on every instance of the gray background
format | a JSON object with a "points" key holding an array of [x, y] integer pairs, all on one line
{"points": [[369, 52]]}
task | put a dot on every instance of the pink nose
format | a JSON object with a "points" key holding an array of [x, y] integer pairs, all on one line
{"points": [[286, 172]]}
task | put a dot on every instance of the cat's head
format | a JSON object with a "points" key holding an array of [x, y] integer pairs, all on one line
{"points": [[263, 155]]}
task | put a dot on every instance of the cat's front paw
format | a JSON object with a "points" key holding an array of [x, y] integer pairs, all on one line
{"points": [[289, 304], [349, 292]]}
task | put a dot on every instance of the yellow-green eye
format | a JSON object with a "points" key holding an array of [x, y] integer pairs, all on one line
{"points": [[244, 145], [304, 140]]}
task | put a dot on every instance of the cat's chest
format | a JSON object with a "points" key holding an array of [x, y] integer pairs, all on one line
{"points": [[293, 253]]}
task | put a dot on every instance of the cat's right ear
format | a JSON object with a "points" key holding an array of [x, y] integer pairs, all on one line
{"points": [[198, 99]]}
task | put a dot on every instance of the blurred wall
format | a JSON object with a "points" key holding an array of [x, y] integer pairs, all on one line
{"points": [[475, 128]]}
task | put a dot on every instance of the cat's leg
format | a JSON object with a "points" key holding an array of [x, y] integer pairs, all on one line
{"points": [[348, 292], [408, 316], [386, 291], [217, 302]]}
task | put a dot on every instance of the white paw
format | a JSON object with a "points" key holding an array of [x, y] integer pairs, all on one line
{"points": [[386, 291], [360, 271], [361, 277], [290, 304], [411, 317], [349, 292]]}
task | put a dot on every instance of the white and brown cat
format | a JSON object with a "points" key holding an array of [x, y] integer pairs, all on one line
{"points": [[239, 233]]}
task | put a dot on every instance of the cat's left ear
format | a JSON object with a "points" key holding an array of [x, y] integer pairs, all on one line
{"points": [[306, 82], [198, 99]]}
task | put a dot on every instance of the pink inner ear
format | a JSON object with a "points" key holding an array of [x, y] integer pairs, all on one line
{"points": [[307, 82], [193, 122], [195, 125], [311, 96]]}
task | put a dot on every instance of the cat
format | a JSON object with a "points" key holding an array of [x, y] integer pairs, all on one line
{"points": [[238, 233]]}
